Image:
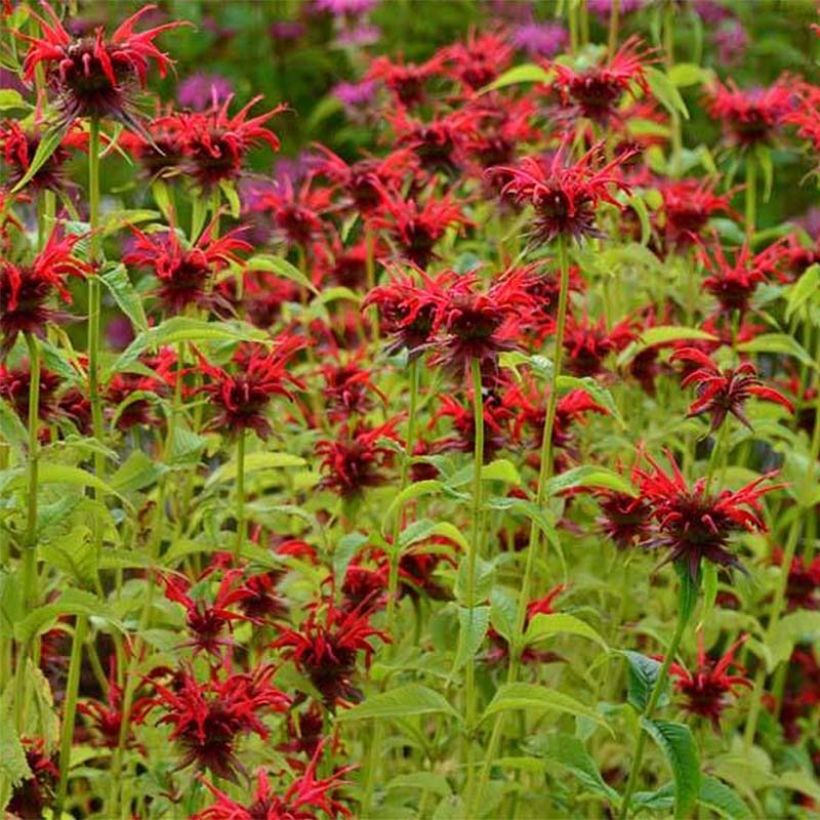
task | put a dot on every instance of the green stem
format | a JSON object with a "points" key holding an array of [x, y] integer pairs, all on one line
{"points": [[614, 15], [544, 475], [718, 452], [240, 495], [70, 709], [751, 196], [660, 685], [472, 561], [669, 57]]}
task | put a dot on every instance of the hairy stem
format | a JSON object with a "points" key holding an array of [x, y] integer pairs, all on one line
{"points": [[240, 495]]}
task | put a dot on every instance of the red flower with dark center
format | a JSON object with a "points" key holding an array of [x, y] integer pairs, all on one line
{"points": [[33, 795], [356, 460], [479, 61], [472, 324], [416, 228], [241, 399], [185, 274], [405, 80], [207, 622], [688, 205], [14, 388], [596, 92], [161, 152], [625, 518], [26, 289], [209, 718], [806, 113], [417, 568], [305, 796], [587, 345], [733, 283], [725, 391], [407, 307], [564, 197], [131, 399], [707, 689], [297, 212], [348, 390], [750, 116], [326, 647], [94, 77], [106, 717], [497, 130], [216, 144], [263, 295], [260, 600], [364, 588], [692, 523], [19, 148], [496, 414], [803, 582]]}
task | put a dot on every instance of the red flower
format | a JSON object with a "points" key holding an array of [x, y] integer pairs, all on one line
{"points": [[733, 283], [185, 273], [305, 796], [106, 717], [348, 390], [564, 197], [14, 388], [495, 416], [726, 391], [25, 289], [496, 131], [625, 518], [595, 92], [94, 77], [707, 688], [208, 718], [688, 204], [405, 81], [356, 459], [694, 524], [479, 61], [750, 116], [297, 212], [161, 150], [241, 399], [207, 622], [587, 345], [326, 647], [36, 793], [258, 598], [479, 324], [19, 148], [263, 295], [130, 396], [806, 114], [417, 568], [803, 582], [416, 228], [407, 310]]}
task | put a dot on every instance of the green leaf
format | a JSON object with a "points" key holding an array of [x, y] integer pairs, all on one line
{"points": [[501, 469], [778, 343], [589, 476], [349, 544], [526, 73], [136, 473], [232, 197], [49, 142], [117, 220], [281, 267], [73, 476], [503, 610], [722, 799], [642, 674], [543, 626], [805, 288], [73, 553], [796, 627], [70, 602], [513, 696], [663, 334], [598, 394], [415, 490], [425, 781], [254, 462], [686, 74], [129, 301], [401, 702], [665, 92], [11, 428], [472, 623], [678, 746], [14, 767], [9, 98]]}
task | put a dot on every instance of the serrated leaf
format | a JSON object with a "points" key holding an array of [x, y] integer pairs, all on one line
{"points": [[778, 343], [401, 702], [128, 300], [722, 799], [415, 490], [665, 92], [136, 473], [676, 742], [526, 73], [664, 334], [70, 602], [12, 429], [254, 462], [514, 696], [73, 553], [642, 674], [589, 476], [543, 626], [347, 547], [472, 623], [281, 267]]}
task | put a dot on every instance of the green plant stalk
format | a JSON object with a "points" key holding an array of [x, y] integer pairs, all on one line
{"points": [[660, 684], [472, 558], [669, 57], [544, 475], [240, 496], [70, 709], [751, 196], [614, 15], [718, 452], [370, 269]]}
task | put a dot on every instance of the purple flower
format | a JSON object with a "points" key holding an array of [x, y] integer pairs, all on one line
{"points": [[603, 8], [539, 39], [731, 40], [809, 222], [200, 91], [710, 11], [355, 96], [341, 8], [287, 30], [362, 34]]}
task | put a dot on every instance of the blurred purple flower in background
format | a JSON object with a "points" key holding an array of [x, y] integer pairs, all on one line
{"points": [[539, 39], [731, 41], [355, 96], [710, 11], [809, 222], [287, 30], [340, 8], [603, 8], [362, 34], [201, 91]]}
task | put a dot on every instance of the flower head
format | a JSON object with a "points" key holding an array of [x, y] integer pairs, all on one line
{"points": [[694, 524], [30, 797], [26, 289], [803, 582], [725, 391], [478, 61], [94, 76], [734, 282], [706, 690], [405, 81], [688, 204], [750, 116], [19, 147]]}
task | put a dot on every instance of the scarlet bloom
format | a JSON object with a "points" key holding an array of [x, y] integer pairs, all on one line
{"points": [[106, 717], [303, 798], [803, 582], [94, 77], [407, 307], [36, 793], [595, 92], [564, 197], [405, 80], [806, 114], [326, 647], [692, 523], [625, 518], [587, 345], [725, 391], [26, 289], [215, 144], [348, 390], [209, 718], [734, 282], [473, 324], [241, 399], [297, 212], [19, 148], [749, 116], [185, 273], [15, 385], [707, 689], [688, 204], [356, 459], [495, 417], [479, 61], [263, 295]]}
